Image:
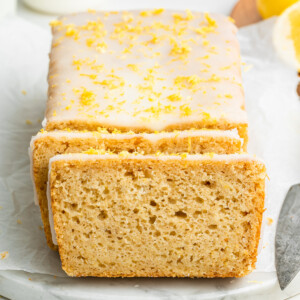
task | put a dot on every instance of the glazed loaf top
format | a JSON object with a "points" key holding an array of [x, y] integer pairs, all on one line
{"points": [[144, 71]]}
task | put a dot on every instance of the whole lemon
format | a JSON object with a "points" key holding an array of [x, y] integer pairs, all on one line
{"points": [[269, 8]]}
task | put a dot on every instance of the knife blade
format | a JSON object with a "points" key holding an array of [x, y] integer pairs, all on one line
{"points": [[287, 239]]}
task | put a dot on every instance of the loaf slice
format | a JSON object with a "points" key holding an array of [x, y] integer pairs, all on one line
{"points": [[48, 144], [157, 216], [145, 71]]}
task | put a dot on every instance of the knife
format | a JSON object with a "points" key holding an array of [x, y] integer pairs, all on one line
{"points": [[287, 240]]}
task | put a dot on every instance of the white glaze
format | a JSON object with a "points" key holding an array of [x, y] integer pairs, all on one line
{"points": [[64, 104], [191, 157], [30, 154], [153, 137], [51, 220]]}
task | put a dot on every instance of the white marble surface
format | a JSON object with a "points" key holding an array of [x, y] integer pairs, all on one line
{"points": [[254, 286], [22, 285]]}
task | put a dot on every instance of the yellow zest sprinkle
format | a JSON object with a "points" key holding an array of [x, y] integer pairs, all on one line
{"points": [[270, 221], [214, 77], [158, 153], [210, 20], [54, 113], [43, 130], [68, 107], [148, 13], [184, 155], [71, 31], [91, 11], [133, 67], [204, 57], [187, 81], [102, 130], [89, 42], [179, 17], [116, 131], [189, 15], [91, 151], [158, 11], [175, 97], [225, 68], [4, 254], [145, 13], [206, 115], [55, 23], [211, 28], [124, 154], [87, 97], [91, 76], [230, 19], [185, 110], [101, 47], [169, 108], [181, 49], [229, 96], [209, 154]]}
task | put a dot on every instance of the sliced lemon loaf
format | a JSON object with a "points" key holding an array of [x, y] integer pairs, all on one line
{"points": [[144, 215], [48, 144], [145, 71]]}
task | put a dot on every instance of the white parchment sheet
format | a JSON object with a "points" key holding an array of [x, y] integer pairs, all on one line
{"points": [[274, 127]]}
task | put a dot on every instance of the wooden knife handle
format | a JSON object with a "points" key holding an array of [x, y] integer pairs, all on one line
{"points": [[245, 13]]}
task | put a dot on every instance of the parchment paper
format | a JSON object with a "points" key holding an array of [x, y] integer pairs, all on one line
{"points": [[274, 127]]}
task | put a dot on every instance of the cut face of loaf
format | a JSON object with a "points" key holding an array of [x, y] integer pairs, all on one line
{"points": [[45, 146], [174, 216], [145, 71]]}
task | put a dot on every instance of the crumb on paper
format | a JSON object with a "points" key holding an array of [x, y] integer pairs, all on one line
{"points": [[28, 122], [265, 245], [39, 121], [19, 221], [29, 279], [1, 207], [4, 254], [270, 221], [54, 276], [255, 281], [41, 227], [24, 92]]}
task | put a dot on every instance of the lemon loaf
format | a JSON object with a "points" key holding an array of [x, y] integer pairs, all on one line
{"points": [[145, 71], [144, 215], [48, 144]]}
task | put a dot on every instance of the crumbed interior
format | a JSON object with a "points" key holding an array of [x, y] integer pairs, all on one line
{"points": [[122, 217], [49, 146]]}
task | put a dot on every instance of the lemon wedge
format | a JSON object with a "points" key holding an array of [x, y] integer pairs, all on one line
{"points": [[270, 8], [286, 35]]}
